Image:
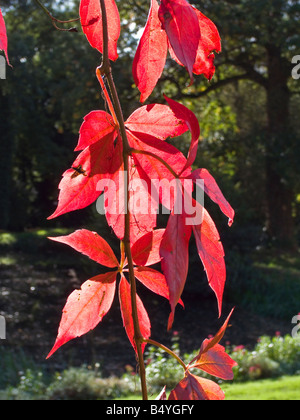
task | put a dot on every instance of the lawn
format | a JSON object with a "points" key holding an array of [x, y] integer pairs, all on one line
{"points": [[285, 388]]}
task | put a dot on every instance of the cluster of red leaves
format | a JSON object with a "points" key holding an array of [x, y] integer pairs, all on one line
{"points": [[147, 130], [191, 39], [3, 36], [189, 36]]}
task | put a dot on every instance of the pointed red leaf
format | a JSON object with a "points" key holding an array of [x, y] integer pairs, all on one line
{"points": [[211, 252], [96, 125], [143, 210], [90, 244], [126, 311], [151, 54], [174, 251], [166, 152], [209, 41], [190, 119], [182, 26], [156, 120], [85, 308], [195, 388], [212, 357], [145, 251], [91, 21], [79, 189], [210, 343], [162, 396], [163, 181], [154, 281], [3, 36], [216, 362], [213, 191]]}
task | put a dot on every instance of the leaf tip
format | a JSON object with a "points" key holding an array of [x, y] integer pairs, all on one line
{"points": [[170, 321], [52, 352], [52, 216]]}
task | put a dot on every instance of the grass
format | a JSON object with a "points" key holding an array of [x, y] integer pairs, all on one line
{"points": [[282, 389], [285, 388]]}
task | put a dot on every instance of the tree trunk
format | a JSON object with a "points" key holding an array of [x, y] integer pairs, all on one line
{"points": [[280, 195]]}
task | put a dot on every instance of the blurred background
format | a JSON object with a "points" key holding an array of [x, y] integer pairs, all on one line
{"points": [[250, 142]]}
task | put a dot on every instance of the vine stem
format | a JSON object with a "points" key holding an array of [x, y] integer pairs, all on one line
{"points": [[167, 350], [105, 70], [106, 95], [54, 20]]}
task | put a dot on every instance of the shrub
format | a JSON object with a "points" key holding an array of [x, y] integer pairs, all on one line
{"points": [[32, 386], [84, 384]]}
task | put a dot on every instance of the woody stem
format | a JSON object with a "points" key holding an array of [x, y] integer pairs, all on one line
{"points": [[105, 69]]}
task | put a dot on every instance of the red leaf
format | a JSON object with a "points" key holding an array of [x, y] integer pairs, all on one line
{"points": [[126, 311], [85, 308], [156, 120], [183, 113], [195, 388], [150, 58], [216, 362], [213, 191], [211, 252], [209, 41], [210, 343], [212, 357], [162, 396], [154, 168], [91, 21], [79, 190], [175, 258], [143, 215], [154, 281], [96, 125], [90, 244], [182, 26], [3, 36], [145, 251], [163, 181]]}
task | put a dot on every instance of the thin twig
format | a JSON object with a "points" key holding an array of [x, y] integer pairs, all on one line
{"points": [[55, 20]]}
